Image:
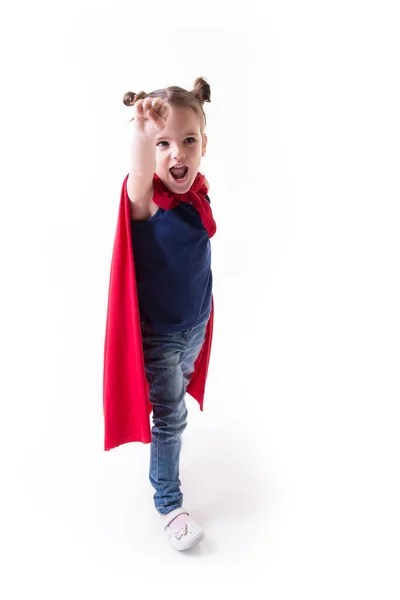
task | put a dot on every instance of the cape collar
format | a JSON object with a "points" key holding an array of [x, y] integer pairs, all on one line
{"points": [[196, 195]]}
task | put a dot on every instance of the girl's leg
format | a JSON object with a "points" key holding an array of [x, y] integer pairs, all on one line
{"points": [[162, 355], [169, 363]]}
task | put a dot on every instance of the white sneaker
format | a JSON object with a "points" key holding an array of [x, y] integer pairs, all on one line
{"points": [[187, 536]]}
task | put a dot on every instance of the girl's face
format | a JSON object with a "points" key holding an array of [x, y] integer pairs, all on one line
{"points": [[180, 142]]}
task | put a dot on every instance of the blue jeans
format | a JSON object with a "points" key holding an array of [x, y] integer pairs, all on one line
{"points": [[169, 363]]}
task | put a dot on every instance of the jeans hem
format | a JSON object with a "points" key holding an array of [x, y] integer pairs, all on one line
{"points": [[168, 509]]}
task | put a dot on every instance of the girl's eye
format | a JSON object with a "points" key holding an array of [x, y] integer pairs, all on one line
{"points": [[165, 142]]}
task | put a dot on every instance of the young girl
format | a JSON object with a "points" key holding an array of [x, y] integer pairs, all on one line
{"points": [[160, 311]]}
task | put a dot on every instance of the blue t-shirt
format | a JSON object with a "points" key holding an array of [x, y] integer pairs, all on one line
{"points": [[172, 254]]}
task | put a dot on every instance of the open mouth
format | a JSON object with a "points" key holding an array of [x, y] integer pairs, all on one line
{"points": [[179, 175]]}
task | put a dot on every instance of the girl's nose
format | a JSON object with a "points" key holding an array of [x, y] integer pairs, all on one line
{"points": [[179, 154]]}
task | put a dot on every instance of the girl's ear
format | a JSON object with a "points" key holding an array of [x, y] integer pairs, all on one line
{"points": [[204, 144]]}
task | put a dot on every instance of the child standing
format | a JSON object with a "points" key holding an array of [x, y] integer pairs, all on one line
{"points": [[170, 228]]}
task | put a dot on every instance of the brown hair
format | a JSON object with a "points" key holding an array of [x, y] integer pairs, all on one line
{"points": [[178, 97]]}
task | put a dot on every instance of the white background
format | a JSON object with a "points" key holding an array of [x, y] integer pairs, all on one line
{"points": [[293, 466]]}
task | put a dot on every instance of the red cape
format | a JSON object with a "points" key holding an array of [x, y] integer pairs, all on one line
{"points": [[126, 401]]}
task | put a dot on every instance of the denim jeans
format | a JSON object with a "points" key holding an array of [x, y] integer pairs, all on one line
{"points": [[169, 363]]}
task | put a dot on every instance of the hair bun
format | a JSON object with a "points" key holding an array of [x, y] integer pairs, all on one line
{"points": [[202, 90], [130, 98]]}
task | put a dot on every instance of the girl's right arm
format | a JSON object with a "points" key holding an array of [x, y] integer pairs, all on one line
{"points": [[149, 120], [140, 178]]}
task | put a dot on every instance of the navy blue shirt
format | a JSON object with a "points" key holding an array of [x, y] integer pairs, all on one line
{"points": [[172, 254]]}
